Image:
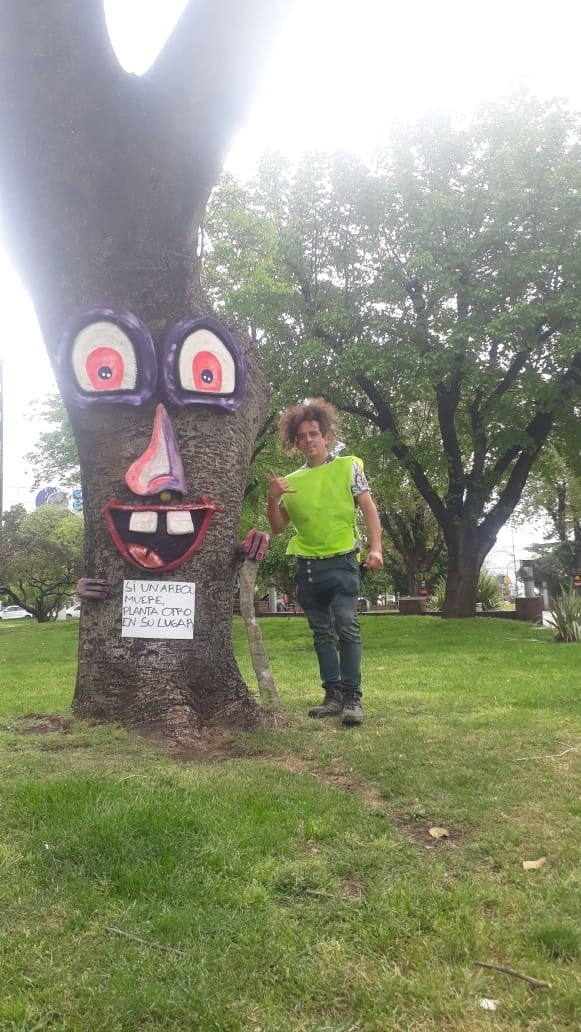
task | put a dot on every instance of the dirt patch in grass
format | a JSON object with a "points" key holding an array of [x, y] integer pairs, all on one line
{"points": [[419, 832], [41, 724], [210, 747], [352, 889], [57, 746], [219, 746]]}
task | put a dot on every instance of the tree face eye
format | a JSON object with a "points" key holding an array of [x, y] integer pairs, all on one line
{"points": [[203, 364], [103, 359], [107, 354]]}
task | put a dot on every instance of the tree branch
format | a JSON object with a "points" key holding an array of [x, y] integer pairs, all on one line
{"points": [[567, 386], [447, 398], [392, 531], [141, 152], [479, 446], [208, 52], [402, 452], [356, 410], [518, 364], [538, 430], [511, 374], [18, 601]]}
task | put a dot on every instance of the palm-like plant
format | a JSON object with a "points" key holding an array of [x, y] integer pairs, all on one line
{"points": [[566, 614], [488, 595]]}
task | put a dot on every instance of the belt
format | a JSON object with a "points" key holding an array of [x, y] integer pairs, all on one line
{"points": [[321, 558]]}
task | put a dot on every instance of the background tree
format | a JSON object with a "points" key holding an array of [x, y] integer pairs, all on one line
{"points": [[407, 521], [54, 458], [410, 525], [41, 556], [554, 493], [104, 178], [254, 276], [447, 282]]}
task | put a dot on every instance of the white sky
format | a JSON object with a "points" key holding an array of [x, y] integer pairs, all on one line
{"points": [[340, 74]]}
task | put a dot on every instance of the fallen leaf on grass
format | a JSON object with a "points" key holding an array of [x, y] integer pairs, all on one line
{"points": [[439, 833], [488, 1004], [534, 865]]}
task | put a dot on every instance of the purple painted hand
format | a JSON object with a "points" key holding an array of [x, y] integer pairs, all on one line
{"points": [[92, 589], [254, 546]]}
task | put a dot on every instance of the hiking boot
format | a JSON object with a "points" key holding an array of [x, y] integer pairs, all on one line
{"points": [[352, 709], [330, 707]]}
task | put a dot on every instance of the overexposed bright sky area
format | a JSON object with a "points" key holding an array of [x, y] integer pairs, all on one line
{"points": [[341, 73]]}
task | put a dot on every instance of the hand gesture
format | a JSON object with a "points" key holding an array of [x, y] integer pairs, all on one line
{"points": [[278, 486]]}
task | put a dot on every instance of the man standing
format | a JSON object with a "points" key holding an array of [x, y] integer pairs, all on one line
{"points": [[320, 500]]}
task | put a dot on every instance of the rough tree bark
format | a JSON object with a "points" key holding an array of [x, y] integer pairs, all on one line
{"points": [[104, 179]]}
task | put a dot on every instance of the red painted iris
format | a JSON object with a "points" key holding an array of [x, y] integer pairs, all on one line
{"points": [[207, 372], [105, 368]]}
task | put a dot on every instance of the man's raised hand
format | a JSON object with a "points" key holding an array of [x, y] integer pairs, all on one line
{"points": [[278, 486]]}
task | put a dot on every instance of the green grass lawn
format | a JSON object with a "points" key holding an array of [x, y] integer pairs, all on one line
{"points": [[286, 880]]}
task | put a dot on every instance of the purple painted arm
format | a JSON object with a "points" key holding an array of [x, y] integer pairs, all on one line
{"points": [[92, 589], [254, 546]]}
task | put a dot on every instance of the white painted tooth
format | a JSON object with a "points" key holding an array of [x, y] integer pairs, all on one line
{"points": [[180, 522], [143, 522]]}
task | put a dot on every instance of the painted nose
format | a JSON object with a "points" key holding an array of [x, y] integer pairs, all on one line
{"points": [[160, 467]]}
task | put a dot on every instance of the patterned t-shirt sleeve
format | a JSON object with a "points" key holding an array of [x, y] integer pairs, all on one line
{"points": [[359, 481]]}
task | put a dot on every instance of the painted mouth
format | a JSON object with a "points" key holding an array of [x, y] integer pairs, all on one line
{"points": [[159, 537]]}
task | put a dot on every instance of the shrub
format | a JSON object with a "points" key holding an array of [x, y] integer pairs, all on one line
{"points": [[566, 614], [488, 593], [436, 599]]}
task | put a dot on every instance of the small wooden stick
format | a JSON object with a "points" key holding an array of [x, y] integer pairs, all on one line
{"points": [[549, 756], [536, 983], [266, 687], [144, 942], [329, 895]]}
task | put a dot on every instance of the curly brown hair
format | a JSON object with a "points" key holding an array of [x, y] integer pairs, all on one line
{"points": [[313, 410]]}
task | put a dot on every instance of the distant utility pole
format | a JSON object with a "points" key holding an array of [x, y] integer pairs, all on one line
{"points": [[514, 559]]}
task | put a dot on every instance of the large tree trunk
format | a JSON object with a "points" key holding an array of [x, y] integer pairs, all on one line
{"points": [[104, 179], [467, 550]]}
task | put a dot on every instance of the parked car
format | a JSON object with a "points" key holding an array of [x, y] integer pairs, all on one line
{"points": [[14, 613], [73, 612]]}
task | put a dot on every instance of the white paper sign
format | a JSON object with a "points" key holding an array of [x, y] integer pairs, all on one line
{"points": [[158, 609]]}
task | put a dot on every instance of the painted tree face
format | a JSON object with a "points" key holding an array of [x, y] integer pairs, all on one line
{"points": [[107, 356]]}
